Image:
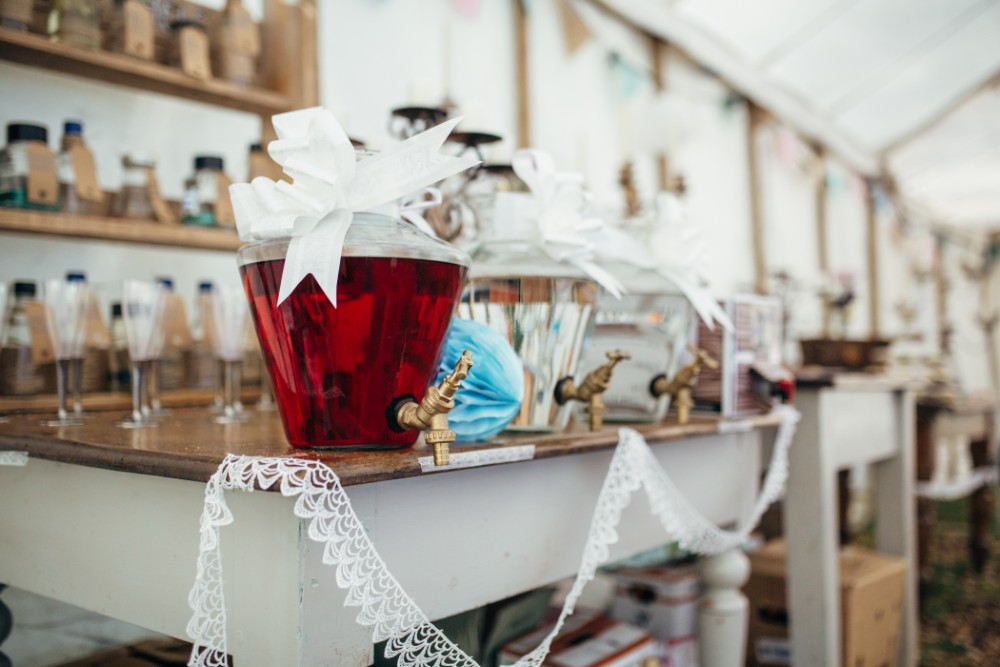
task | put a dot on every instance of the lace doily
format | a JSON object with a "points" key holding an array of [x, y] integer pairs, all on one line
{"points": [[383, 605]]}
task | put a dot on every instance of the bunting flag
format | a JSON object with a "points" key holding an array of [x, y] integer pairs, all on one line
{"points": [[575, 31]]}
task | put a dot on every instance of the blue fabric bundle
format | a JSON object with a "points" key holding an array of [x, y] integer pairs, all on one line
{"points": [[492, 393]]}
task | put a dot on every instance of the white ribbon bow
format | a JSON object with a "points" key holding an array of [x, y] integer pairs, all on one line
{"points": [[672, 247], [556, 208], [328, 186]]}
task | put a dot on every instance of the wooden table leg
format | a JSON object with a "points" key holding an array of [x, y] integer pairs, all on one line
{"points": [[844, 505], [980, 510], [926, 507], [722, 612]]}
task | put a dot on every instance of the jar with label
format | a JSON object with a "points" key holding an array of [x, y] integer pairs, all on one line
{"points": [[16, 14], [77, 23], [79, 191], [28, 177], [188, 49], [90, 374], [119, 364], [26, 359], [132, 29], [202, 365], [171, 371], [133, 201], [238, 45], [208, 175]]}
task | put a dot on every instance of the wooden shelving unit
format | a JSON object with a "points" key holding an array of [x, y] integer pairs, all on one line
{"points": [[38, 51], [114, 229]]}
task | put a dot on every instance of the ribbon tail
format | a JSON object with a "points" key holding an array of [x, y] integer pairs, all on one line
{"points": [[604, 278], [701, 299], [317, 252]]}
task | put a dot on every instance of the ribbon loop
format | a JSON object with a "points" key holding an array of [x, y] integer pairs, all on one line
{"points": [[328, 186]]}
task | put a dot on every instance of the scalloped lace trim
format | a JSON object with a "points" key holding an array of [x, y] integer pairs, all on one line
{"points": [[382, 603]]}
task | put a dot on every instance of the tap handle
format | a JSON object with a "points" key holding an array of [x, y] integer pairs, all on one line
{"points": [[704, 358], [451, 384]]}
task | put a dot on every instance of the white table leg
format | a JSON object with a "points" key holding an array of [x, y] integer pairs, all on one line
{"points": [[895, 511], [722, 611], [811, 533]]}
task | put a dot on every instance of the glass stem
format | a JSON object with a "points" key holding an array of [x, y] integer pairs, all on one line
{"points": [[155, 384], [62, 371], [220, 383], [137, 391], [229, 406], [237, 379], [78, 386], [144, 408]]}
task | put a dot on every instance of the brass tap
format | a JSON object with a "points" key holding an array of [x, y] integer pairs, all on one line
{"points": [[680, 387], [431, 413], [591, 390]]}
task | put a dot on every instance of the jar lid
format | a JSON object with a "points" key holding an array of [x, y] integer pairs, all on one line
{"points": [[256, 148], [27, 132], [166, 281], [116, 310], [186, 23], [73, 127], [208, 162], [205, 286], [25, 288], [76, 277]]}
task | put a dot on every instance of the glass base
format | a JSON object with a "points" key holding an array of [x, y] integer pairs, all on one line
{"points": [[68, 421], [233, 418], [131, 423]]}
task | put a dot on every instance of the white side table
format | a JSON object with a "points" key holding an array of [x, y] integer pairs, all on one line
{"points": [[847, 420]]}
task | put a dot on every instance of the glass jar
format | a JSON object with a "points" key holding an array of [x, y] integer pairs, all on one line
{"points": [[480, 196], [16, 14], [77, 23], [23, 138], [207, 169], [69, 198], [172, 369], [20, 375], [133, 201], [95, 367], [545, 310], [175, 48], [653, 323], [336, 371], [202, 366], [238, 45]]}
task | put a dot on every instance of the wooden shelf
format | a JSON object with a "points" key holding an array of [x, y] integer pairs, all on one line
{"points": [[117, 401], [38, 51], [115, 229]]}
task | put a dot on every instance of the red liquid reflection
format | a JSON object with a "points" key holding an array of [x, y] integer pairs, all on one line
{"points": [[336, 370]]}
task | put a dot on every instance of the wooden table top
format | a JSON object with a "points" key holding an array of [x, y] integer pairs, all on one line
{"points": [[187, 444]]}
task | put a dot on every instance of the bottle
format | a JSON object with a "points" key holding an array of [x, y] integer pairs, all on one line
{"points": [[131, 29], [208, 169], [133, 201], [202, 366], [24, 139], [177, 339], [92, 372], [77, 23], [119, 367], [238, 45], [16, 14], [20, 374], [69, 193]]}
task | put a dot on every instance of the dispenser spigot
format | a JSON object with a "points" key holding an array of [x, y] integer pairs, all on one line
{"points": [[591, 390], [431, 413], [680, 387]]}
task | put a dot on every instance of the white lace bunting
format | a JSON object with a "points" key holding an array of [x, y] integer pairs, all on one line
{"points": [[12, 458], [383, 605]]}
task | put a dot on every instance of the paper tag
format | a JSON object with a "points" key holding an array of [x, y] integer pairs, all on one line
{"points": [[96, 331], [161, 210], [224, 216], [139, 38], [194, 53], [85, 173], [41, 344], [17, 10], [177, 333], [43, 181]]}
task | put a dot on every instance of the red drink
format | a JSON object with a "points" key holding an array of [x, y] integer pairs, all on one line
{"points": [[336, 370]]}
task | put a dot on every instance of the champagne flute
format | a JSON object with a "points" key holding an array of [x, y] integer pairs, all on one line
{"points": [[65, 305], [143, 305], [229, 317]]}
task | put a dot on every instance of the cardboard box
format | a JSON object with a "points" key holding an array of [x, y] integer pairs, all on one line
{"points": [[661, 600], [588, 639], [871, 600]]}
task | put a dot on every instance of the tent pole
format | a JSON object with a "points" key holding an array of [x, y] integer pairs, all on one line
{"points": [[754, 121], [821, 233], [521, 75], [659, 54], [874, 298]]}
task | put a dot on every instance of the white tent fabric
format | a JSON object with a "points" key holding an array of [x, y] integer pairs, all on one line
{"points": [[868, 78]]}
